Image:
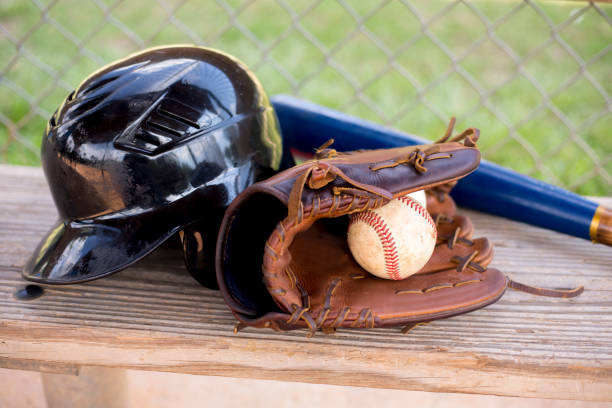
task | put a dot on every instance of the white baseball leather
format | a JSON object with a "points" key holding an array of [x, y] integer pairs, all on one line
{"points": [[394, 241]]}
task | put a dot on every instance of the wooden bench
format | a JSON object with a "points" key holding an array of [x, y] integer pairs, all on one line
{"points": [[154, 316]]}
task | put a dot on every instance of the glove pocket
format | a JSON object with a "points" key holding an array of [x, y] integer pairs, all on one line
{"points": [[333, 290]]}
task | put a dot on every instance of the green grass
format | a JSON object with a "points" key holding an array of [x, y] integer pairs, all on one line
{"points": [[514, 133]]}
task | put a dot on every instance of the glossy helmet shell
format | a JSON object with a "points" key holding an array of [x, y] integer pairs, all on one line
{"points": [[144, 147]]}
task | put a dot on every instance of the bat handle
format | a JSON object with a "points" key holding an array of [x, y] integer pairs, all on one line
{"points": [[601, 226]]}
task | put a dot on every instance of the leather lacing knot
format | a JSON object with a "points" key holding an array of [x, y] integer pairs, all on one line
{"points": [[417, 158], [468, 262], [324, 152], [452, 239], [301, 313], [365, 318]]}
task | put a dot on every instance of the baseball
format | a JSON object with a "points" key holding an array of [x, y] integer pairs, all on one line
{"points": [[420, 196], [393, 241]]}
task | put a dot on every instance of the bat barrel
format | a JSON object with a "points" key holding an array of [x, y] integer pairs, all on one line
{"points": [[491, 188], [500, 191]]}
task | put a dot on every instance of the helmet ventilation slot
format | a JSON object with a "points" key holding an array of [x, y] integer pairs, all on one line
{"points": [[174, 118], [180, 112]]}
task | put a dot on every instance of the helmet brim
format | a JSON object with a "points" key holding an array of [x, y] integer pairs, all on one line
{"points": [[79, 251]]}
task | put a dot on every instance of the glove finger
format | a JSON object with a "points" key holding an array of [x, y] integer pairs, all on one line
{"points": [[440, 202], [447, 257], [452, 228]]}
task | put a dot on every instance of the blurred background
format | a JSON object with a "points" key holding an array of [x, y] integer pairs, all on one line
{"points": [[535, 77]]}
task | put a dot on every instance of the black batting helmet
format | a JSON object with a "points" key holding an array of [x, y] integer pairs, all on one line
{"points": [[145, 147]]}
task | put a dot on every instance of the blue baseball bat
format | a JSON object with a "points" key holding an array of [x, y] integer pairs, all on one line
{"points": [[491, 188]]}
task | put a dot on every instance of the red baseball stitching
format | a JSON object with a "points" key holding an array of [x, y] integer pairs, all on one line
{"points": [[386, 238], [415, 205]]}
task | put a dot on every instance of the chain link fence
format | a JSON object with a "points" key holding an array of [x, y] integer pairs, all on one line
{"points": [[535, 77]]}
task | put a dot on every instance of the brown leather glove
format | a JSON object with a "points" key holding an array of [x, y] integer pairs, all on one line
{"points": [[283, 260]]}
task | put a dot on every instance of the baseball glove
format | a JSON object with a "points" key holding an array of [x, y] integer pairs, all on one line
{"points": [[283, 261]]}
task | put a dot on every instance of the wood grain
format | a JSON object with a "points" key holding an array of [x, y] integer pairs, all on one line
{"points": [[153, 316]]}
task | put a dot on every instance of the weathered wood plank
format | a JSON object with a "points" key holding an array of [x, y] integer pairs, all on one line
{"points": [[153, 316]]}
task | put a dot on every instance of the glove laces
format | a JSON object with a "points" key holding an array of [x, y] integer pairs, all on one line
{"points": [[418, 157]]}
